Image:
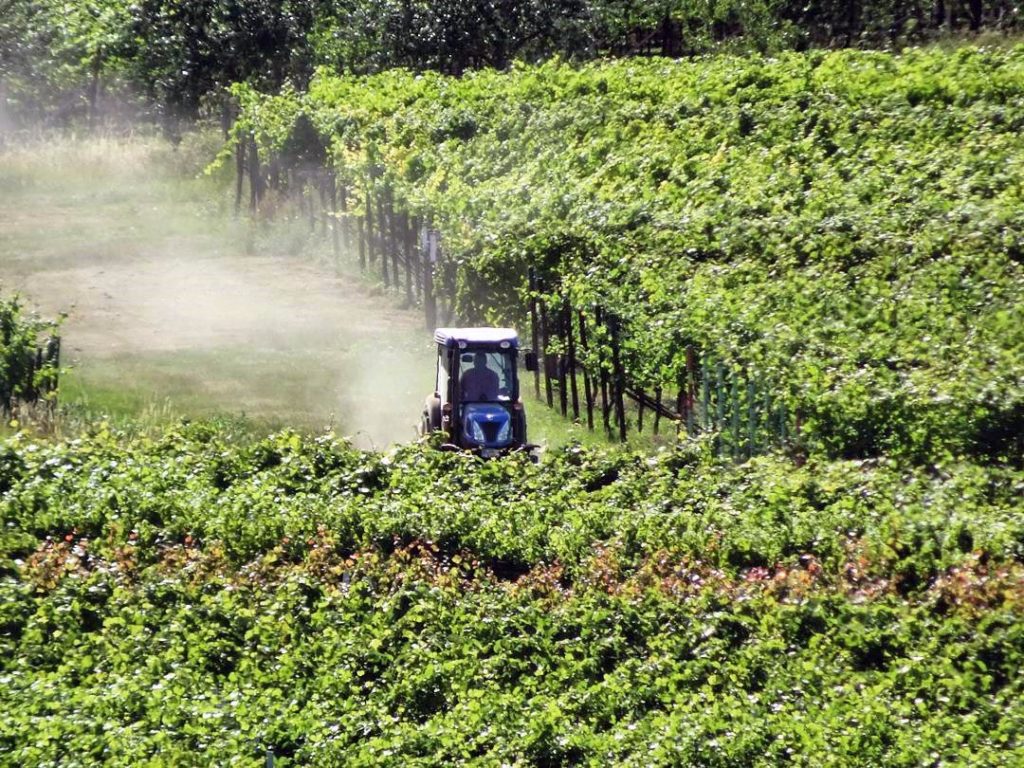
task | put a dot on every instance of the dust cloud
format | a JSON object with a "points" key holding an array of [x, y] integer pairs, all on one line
{"points": [[173, 303]]}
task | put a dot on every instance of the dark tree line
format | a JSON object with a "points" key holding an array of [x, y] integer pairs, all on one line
{"points": [[59, 60]]}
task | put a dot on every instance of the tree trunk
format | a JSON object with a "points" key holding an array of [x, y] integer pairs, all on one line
{"points": [[852, 22], [94, 88], [977, 12]]}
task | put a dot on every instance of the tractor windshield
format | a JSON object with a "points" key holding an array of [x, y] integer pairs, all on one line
{"points": [[487, 376]]}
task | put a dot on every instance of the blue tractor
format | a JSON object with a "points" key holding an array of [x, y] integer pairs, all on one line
{"points": [[476, 402]]}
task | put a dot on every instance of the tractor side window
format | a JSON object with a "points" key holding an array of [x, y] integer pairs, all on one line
{"points": [[441, 385]]}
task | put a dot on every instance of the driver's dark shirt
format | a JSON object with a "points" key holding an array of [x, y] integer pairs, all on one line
{"points": [[479, 384]]}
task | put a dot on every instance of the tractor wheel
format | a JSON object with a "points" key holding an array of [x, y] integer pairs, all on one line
{"points": [[519, 426], [432, 415]]}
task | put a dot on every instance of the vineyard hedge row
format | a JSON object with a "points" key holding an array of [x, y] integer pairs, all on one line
{"points": [[846, 228], [190, 600]]}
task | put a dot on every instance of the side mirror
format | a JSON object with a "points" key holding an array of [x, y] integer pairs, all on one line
{"points": [[531, 361]]}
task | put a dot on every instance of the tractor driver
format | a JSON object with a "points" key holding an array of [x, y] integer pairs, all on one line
{"points": [[479, 382]]}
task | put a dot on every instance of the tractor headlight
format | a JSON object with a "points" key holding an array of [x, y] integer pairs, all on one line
{"points": [[505, 434], [476, 431]]}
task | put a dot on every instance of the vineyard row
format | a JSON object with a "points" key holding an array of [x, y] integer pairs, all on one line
{"points": [[841, 230], [404, 251]]}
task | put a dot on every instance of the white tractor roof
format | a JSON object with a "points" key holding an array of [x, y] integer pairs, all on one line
{"points": [[477, 337]]}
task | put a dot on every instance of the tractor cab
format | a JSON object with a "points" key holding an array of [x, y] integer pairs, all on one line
{"points": [[476, 401]]}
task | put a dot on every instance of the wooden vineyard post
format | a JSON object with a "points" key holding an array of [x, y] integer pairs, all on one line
{"points": [[571, 343], [735, 405], [719, 397], [382, 242], [239, 174], [450, 318], [387, 239], [274, 174], [605, 402], [309, 179], [416, 255], [544, 340], [619, 379], [705, 396], [683, 403], [563, 389], [657, 410], [322, 184], [389, 201], [412, 230], [429, 259], [368, 217], [588, 389], [751, 419], [346, 240], [296, 190], [361, 237], [691, 389], [313, 185], [255, 177], [681, 410], [407, 249], [705, 399], [335, 219], [531, 277], [53, 360]]}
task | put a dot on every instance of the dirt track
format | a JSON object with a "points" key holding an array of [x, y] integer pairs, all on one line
{"points": [[172, 306]]}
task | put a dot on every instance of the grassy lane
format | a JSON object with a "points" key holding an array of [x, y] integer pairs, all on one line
{"points": [[176, 309]]}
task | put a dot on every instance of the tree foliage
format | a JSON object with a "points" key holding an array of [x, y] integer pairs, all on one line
{"points": [[57, 57]]}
